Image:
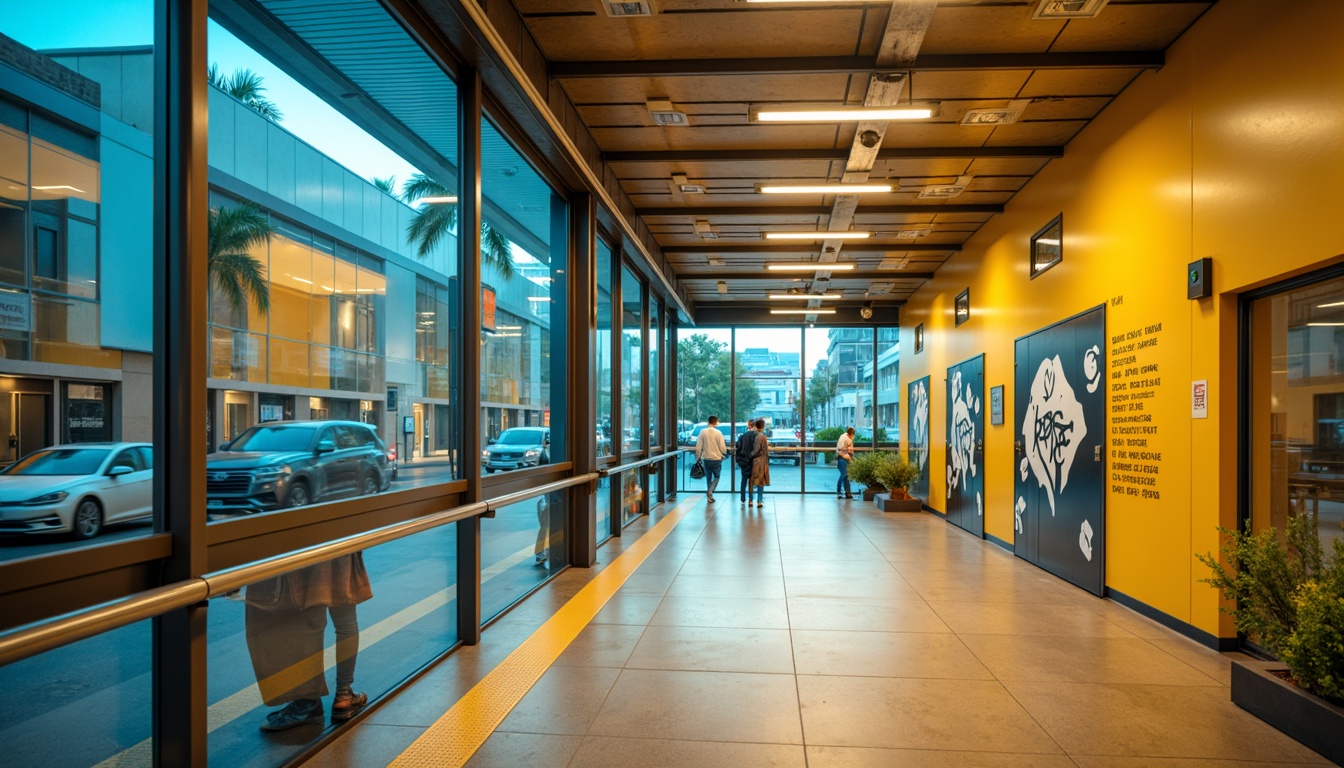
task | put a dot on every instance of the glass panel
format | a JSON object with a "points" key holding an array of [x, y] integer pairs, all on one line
{"points": [[603, 508], [344, 281], [523, 253], [632, 362], [605, 441], [768, 384], [704, 375], [632, 496], [520, 548], [363, 622], [102, 683], [888, 415], [655, 334], [1297, 399], [839, 395]]}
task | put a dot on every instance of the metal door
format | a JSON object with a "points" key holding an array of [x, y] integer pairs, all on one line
{"points": [[1061, 437], [917, 435], [32, 422], [966, 445]]}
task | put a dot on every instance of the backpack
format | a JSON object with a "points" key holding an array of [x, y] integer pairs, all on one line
{"points": [[746, 446]]}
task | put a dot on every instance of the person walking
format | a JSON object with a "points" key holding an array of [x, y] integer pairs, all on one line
{"points": [[844, 453], [710, 449], [742, 452], [760, 464]]}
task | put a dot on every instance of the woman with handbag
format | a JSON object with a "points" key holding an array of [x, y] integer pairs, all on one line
{"points": [[760, 465]]}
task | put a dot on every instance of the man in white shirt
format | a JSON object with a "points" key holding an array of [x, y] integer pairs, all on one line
{"points": [[710, 450], [844, 451]]}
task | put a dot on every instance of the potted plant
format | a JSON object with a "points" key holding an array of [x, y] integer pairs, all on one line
{"points": [[896, 474], [1288, 597], [861, 470]]}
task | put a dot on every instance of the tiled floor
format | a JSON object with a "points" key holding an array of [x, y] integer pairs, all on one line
{"points": [[823, 633]]}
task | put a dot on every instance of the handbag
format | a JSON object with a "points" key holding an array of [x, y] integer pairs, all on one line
{"points": [[697, 470]]}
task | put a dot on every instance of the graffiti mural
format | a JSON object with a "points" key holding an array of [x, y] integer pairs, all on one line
{"points": [[917, 432], [966, 445], [1059, 499]]}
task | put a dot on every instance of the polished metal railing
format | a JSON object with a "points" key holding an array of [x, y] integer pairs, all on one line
{"points": [[637, 464], [36, 638]]}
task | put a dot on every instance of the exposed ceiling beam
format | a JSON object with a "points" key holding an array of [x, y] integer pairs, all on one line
{"points": [[770, 247], [784, 277], [941, 62], [817, 210], [886, 153], [734, 314]]}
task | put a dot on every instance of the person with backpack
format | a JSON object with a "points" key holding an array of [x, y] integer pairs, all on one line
{"points": [[742, 453]]}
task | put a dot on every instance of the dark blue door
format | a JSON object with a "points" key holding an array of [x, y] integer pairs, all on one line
{"points": [[966, 445], [917, 435]]}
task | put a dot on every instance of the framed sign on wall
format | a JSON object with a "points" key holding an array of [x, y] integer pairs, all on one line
{"points": [[962, 309], [1047, 246]]}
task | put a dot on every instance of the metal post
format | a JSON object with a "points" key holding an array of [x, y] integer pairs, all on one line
{"points": [[469, 341], [673, 399], [617, 382], [582, 346], [180, 245]]}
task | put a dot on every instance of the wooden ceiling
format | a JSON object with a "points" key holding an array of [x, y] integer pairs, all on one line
{"points": [[715, 60]]}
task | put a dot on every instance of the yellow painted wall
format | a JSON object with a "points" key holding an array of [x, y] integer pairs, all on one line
{"points": [[1232, 151]]}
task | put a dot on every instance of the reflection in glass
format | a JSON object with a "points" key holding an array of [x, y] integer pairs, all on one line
{"points": [[768, 381], [520, 548], [1297, 409], [605, 436], [655, 335]]}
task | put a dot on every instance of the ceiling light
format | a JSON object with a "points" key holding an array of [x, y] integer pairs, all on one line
{"points": [[1324, 325], [802, 311], [866, 311], [301, 280], [684, 186], [810, 266], [819, 235], [840, 114], [635, 8], [822, 189], [1068, 9], [799, 2], [1318, 306], [716, 261], [808, 296], [440, 200], [703, 229], [664, 113], [538, 298], [723, 287]]}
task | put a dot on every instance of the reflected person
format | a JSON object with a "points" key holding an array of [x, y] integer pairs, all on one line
{"points": [[286, 628]]}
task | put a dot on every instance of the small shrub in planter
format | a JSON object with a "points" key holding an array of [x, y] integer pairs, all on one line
{"points": [[828, 436], [863, 468], [897, 474]]}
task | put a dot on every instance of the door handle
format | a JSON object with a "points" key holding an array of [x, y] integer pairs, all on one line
{"points": [[1017, 447], [980, 444], [1096, 453]]}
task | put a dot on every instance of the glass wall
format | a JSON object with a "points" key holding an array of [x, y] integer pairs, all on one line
{"points": [[632, 362], [767, 377], [521, 547], [524, 238], [1297, 410], [605, 433], [655, 370]]}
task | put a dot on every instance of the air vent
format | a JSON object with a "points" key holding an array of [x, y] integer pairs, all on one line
{"points": [[913, 233], [684, 186], [703, 229], [665, 114], [637, 8], [1067, 9], [894, 262], [944, 191]]}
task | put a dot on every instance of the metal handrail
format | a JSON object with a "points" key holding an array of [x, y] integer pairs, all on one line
{"points": [[36, 638], [637, 464]]}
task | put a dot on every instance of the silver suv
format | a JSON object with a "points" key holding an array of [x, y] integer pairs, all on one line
{"points": [[516, 448]]}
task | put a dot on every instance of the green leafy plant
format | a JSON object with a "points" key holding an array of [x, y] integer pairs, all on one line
{"points": [[235, 273], [896, 473], [1287, 596], [433, 222], [247, 87], [828, 436], [863, 468]]}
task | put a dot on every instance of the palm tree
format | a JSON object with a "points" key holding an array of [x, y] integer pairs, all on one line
{"points": [[246, 86], [388, 185], [432, 223], [233, 271]]}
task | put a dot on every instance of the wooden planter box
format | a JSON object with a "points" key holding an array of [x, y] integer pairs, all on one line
{"points": [[886, 503], [1304, 716], [871, 492]]}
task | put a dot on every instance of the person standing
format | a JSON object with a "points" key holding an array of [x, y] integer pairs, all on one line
{"points": [[742, 452], [760, 464], [844, 452], [710, 449]]}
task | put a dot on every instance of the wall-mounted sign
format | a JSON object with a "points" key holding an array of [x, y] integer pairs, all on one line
{"points": [[391, 398], [919, 338], [962, 309], [16, 311], [996, 405], [1199, 399], [1047, 246], [408, 425], [487, 308]]}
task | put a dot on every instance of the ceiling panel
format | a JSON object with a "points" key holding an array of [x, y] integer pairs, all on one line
{"points": [[697, 36], [716, 137], [707, 89], [1130, 27], [1078, 82], [1035, 133], [989, 29]]}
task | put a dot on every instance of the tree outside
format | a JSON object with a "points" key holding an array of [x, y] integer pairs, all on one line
{"points": [[704, 380], [821, 390], [435, 221], [247, 87], [241, 278]]}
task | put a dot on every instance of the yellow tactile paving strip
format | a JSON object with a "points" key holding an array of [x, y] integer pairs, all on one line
{"points": [[455, 737]]}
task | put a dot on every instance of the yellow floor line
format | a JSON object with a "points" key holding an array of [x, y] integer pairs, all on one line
{"points": [[230, 708], [455, 737]]}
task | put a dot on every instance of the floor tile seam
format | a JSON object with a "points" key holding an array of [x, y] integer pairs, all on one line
{"points": [[962, 750], [1015, 700], [1175, 636], [793, 660]]}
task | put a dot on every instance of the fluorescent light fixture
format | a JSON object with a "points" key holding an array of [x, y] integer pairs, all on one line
{"points": [[1318, 306], [61, 186], [820, 235], [508, 327], [538, 298], [301, 280], [1325, 325], [824, 189], [811, 266], [802, 311], [440, 200], [802, 2], [840, 114], [807, 296]]}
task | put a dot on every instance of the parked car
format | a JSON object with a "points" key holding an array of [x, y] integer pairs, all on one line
{"points": [[780, 444], [517, 447], [282, 464], [77, 489]]}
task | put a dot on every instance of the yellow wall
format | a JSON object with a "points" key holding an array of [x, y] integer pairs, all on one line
{"points": [[1232, 151]]}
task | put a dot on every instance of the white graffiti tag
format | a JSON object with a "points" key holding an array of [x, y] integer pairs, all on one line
{"points": [[961, 434], [1052, 429], [919, 426]]}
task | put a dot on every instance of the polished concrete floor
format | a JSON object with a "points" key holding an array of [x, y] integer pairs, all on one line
{"points": [[822, 633]]}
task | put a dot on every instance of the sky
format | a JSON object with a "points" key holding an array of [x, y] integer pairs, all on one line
{"points": [[104, 23]]}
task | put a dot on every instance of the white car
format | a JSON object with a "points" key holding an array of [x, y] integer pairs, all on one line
{"points": [[77, 489]]}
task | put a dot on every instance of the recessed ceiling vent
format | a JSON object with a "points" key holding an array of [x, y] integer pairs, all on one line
{"points": [[636, 8], [1064, 9], [944, 191], [913, 233], [684, 185], [703, 229], [664, 113], [894, 262]]}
